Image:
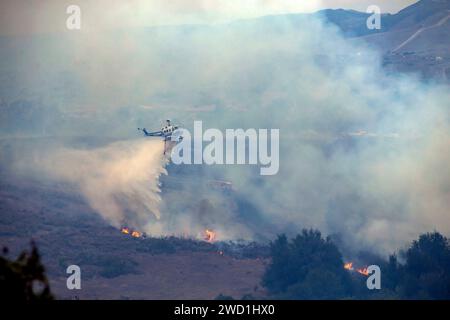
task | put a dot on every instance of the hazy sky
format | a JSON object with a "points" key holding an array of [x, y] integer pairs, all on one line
{"points": [[41, 16]]}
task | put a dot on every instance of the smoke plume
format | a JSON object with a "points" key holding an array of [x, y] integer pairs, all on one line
{"points": [[364, 154], [120, 181]]}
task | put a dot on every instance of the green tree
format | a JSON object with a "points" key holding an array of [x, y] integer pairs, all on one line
{"points": [[307, 267], [425, 274]]}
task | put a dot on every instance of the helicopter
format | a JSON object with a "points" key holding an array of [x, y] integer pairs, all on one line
{"points": [[167, 131]]}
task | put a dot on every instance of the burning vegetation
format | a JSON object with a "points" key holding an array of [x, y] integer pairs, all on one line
{"points": [[136, 234], [133, 233], [363, 271], [210, 236]]}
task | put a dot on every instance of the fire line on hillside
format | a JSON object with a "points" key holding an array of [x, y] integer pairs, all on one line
{"points": [[133, 233], [208, 235], [363, 271]]}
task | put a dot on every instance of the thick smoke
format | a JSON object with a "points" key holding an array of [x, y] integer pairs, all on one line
{"points": [[120, 181], [364, 154]]}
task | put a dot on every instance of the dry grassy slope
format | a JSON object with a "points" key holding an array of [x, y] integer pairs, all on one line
{"points": [[67, 232], [187, 275]]}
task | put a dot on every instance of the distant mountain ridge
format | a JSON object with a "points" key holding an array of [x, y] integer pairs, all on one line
{"points": [[422, 14], [416, 39]]}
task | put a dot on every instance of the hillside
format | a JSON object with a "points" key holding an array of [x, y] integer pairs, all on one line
{"points": [[68, 232], [416, 39]]}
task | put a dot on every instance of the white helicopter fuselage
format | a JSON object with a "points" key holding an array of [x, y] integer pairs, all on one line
{"points": [[168, 130]]}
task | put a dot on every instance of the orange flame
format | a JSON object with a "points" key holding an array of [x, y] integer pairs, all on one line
{"points": [[133, 233], [363, 271], [136, 234], [210, 235]]}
